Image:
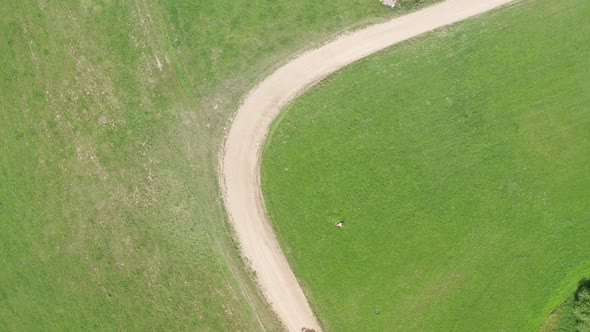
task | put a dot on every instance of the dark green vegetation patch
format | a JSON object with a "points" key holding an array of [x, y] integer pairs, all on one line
{"points": [[574, 314], [460, 165]]}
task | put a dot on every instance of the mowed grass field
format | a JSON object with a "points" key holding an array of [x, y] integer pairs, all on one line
{"points": [[460, 164], [112, 117]]}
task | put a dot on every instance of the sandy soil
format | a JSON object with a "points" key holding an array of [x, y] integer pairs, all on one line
{"points": [[240, 161]]}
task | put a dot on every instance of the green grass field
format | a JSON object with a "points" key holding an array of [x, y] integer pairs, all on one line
{"points": [[112, 117], [460, 164]]}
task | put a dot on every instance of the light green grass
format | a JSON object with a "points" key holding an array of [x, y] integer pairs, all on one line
{"points": [[460, 163], [110, 215]]}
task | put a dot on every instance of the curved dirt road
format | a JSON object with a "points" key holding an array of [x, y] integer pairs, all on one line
{"points": [[240, 163]]}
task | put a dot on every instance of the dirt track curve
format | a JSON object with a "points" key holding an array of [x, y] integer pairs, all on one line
{"points": [[240, 161]]}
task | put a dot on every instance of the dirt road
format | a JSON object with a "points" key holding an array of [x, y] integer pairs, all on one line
{"points": [[240, 163]]}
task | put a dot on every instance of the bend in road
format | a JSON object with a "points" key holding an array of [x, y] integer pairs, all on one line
{"points": [[240, 160]]}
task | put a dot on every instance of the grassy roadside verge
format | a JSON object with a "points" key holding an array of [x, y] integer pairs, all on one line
{"points": [[113, 114]]}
